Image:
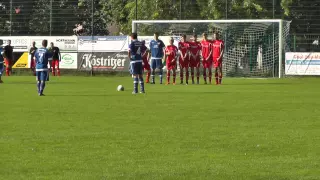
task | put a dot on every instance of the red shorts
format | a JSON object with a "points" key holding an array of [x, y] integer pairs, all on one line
{"points": [[32, 63], [185, 63], [217, 63], [146, 64], [171, 66], [7, 62], [55, 63], [195, 63], [207, 64]]}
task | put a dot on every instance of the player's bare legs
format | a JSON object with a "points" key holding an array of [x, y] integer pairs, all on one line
{"points": [[32, 67], [220, 74], [205, 75], [187, 75], [168, 77], [198, 74], [192, 74], [57, 67], [33, 71], [148, 76], [216, 75], [7, 62], [174, 76], [53, 68], [181, 74], [210, 75]]}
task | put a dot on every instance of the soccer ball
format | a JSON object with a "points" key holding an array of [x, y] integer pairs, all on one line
{"points": [[120, 88]]}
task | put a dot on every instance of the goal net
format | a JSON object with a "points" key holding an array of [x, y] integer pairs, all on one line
{"points": [[253, 48]]}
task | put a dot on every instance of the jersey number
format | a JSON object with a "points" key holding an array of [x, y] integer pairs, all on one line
{"points": [[41, 57], [139, 51]]}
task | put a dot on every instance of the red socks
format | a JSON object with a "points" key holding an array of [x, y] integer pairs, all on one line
{"points": [[220, 79], [148, 77]]}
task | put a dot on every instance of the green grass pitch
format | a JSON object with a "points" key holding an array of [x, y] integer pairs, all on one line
{"points": [[246, 129]]}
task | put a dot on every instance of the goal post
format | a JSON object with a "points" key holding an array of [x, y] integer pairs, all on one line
{"points": [[253, 47]]}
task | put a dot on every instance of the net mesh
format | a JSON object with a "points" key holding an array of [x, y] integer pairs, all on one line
{"points": [[251, 49]]}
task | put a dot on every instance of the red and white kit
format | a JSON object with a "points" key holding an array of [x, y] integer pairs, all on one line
{"points": [[183, 47], [217, 48], [194, 48], [206, 48], [171, 62]]}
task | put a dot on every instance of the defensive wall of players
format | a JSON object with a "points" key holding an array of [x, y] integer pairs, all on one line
{"points": [[109, 53]]}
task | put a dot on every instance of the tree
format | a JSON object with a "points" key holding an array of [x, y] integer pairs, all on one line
{"points": [[92, 16], [4, 19], [153, 10], [61, 17], [40, 23]]}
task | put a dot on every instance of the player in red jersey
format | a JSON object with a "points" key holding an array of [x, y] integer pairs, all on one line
{"points": [[145, 53], [171, 60], [56, 59], [8, 58], [33, 63], [195, 48], [184, 58], [218, 50], [206, 52]]}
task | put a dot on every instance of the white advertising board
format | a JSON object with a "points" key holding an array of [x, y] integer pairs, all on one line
{"points": [[302, 63], [103, 43], [23, 43], [69, 61], [19, 43], [64, 43]]}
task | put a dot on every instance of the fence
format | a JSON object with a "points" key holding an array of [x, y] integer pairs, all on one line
{"points": [[305, 43], [94, 17]]}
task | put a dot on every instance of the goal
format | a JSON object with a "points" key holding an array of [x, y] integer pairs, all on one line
{"points": [[253, 48]]}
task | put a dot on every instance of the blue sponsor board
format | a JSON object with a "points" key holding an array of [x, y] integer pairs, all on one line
{"points": [[303, 62]]}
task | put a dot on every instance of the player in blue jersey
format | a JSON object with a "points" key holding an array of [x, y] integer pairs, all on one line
{"points": [[157, 49], [136, 66], [42, 57], [1, 60]]}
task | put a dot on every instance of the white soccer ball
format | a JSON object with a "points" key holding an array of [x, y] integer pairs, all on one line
{"points": [[120, 88]]}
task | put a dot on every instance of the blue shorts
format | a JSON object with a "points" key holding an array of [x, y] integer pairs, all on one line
{"points": [[136, 68], [1, 69], [156, 64], [42, 75]]}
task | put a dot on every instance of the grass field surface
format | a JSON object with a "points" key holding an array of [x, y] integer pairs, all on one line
{"points": [[257, 129]]}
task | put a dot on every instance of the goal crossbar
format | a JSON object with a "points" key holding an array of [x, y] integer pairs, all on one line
{"points": [[280, 21], [208, 21]]}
